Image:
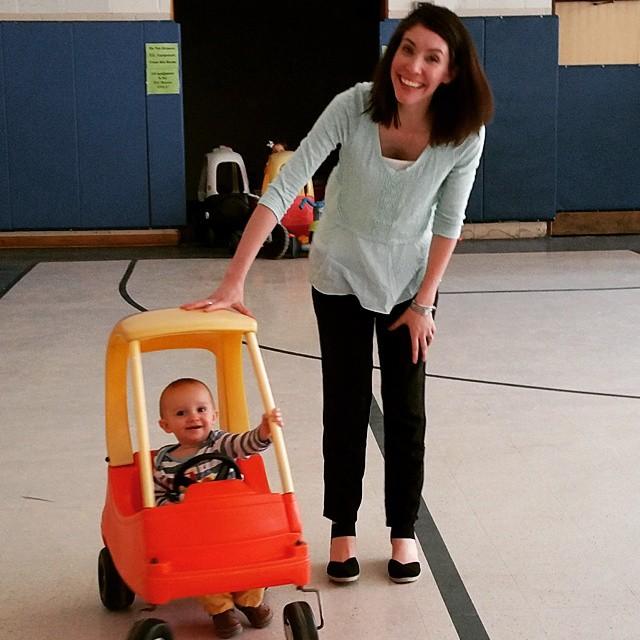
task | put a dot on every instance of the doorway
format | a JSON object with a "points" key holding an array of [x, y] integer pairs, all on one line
{"points": [[254, 72]]}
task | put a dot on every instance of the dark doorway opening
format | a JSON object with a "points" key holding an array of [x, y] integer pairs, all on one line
{"points": [[259, 71]]}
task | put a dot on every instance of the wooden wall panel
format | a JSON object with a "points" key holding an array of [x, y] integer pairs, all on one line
{"points": [[592, 33]]}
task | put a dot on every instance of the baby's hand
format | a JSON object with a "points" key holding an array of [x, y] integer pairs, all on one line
{"points": [[274, 416]]}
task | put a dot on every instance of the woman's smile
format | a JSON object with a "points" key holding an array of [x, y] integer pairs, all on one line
{"points": [[409, 83], [420, 66]]}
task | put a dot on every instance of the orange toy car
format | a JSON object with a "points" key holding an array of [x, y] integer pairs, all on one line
{"points": [[299, 217], [228, 535]]}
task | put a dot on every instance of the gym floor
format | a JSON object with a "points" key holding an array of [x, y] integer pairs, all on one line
{"points": [[527, 526]]}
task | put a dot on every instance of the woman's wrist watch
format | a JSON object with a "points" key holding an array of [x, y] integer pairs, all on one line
{"points": [[422, 309]]}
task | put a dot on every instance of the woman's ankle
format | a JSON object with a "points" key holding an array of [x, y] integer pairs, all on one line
{"points": [[342, 548], [404, 550]]}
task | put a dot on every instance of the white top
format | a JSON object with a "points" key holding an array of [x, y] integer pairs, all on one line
{"points": [[396, 164], [374, 235]]}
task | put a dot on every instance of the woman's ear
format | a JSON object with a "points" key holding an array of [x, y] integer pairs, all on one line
{"points": [[451, 76]]}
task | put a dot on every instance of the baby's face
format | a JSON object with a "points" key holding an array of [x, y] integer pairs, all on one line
{"points": [[189, 414]]}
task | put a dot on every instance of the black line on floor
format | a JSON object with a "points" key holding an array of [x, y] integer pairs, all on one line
{"points": [[122, 287], [454, 594], [476, 381], [534, 387], [466, 293], [125, 294], [4, 288], [286, 352]]}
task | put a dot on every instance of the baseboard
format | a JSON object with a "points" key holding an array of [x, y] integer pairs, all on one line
{"points": [[101, 238], [565, 224], [503, 230], [592, 223]]}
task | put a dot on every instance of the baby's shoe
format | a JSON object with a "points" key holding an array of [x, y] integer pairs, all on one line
{"points": [[227, 624], [259, 616]]}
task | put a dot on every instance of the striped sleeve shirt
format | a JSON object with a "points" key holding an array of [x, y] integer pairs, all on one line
{"points": [[232, 445]]}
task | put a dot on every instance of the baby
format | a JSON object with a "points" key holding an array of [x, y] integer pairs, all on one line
{"points": [[188, 411]]}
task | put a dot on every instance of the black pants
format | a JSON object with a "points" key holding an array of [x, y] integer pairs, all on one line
{"points": [[346, 341]]}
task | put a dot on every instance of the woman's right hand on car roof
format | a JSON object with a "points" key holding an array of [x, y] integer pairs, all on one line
{"points": [[230, 293], [226, 296]]}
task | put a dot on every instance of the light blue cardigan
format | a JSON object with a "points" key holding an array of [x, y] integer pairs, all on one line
{"points": [[373, 238]]}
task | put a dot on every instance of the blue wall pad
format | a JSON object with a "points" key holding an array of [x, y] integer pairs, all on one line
{"points": [[387, 27], [41, 124], [475, 208], [85, 147], [599, 138], [112, 138], [166, 144], [521, 58], [5, 210]]}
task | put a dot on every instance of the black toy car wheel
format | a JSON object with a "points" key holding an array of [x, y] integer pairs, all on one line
{"points": [[150, 629], [114, 593], [277, 243], [299, 623]]}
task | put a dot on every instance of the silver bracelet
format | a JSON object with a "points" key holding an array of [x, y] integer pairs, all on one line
{"points": [[422, 309]]}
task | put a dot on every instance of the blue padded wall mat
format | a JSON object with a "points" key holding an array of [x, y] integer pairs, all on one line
{"points": [[82, 145], [521, 59], [5, 210], [599, 138], [112, 140], [41, 124], [475, 208], [387, 27], [166, 143]]}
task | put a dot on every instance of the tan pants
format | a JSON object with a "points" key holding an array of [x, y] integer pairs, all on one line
{"points": [[221, 602]]}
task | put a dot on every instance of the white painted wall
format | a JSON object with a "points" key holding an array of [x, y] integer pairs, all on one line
{"points": [[400, 8], [161, 9], [85, 9]]}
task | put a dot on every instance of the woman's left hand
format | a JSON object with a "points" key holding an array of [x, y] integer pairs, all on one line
{"points": [[422, 330]]}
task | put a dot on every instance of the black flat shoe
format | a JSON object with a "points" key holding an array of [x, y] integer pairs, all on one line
{"points": [[401, 573], [347, 571]]}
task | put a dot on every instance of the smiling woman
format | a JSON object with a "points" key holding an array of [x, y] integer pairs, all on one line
{"points": [[419, 67], [434, 43], [378, 256]]}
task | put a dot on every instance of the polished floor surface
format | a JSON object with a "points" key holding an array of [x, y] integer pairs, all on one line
{"points": [[529, 523]]}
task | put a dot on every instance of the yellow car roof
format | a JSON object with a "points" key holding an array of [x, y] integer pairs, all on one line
{"points": [[220, 332], [173, 322]]}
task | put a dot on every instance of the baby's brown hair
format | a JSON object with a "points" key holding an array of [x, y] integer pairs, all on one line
{"points": [[182, 382]]}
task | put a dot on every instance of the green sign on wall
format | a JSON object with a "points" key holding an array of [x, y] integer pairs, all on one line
{"points": [[162, 67]]}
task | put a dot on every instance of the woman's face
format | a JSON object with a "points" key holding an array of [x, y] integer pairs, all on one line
{"points": [[419, 67]]}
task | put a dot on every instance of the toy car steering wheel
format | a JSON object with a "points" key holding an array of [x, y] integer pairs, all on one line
{"points": [[222, 471]]}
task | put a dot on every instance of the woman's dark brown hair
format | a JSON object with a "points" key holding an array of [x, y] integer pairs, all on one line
{"points": [[457, 109]]}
